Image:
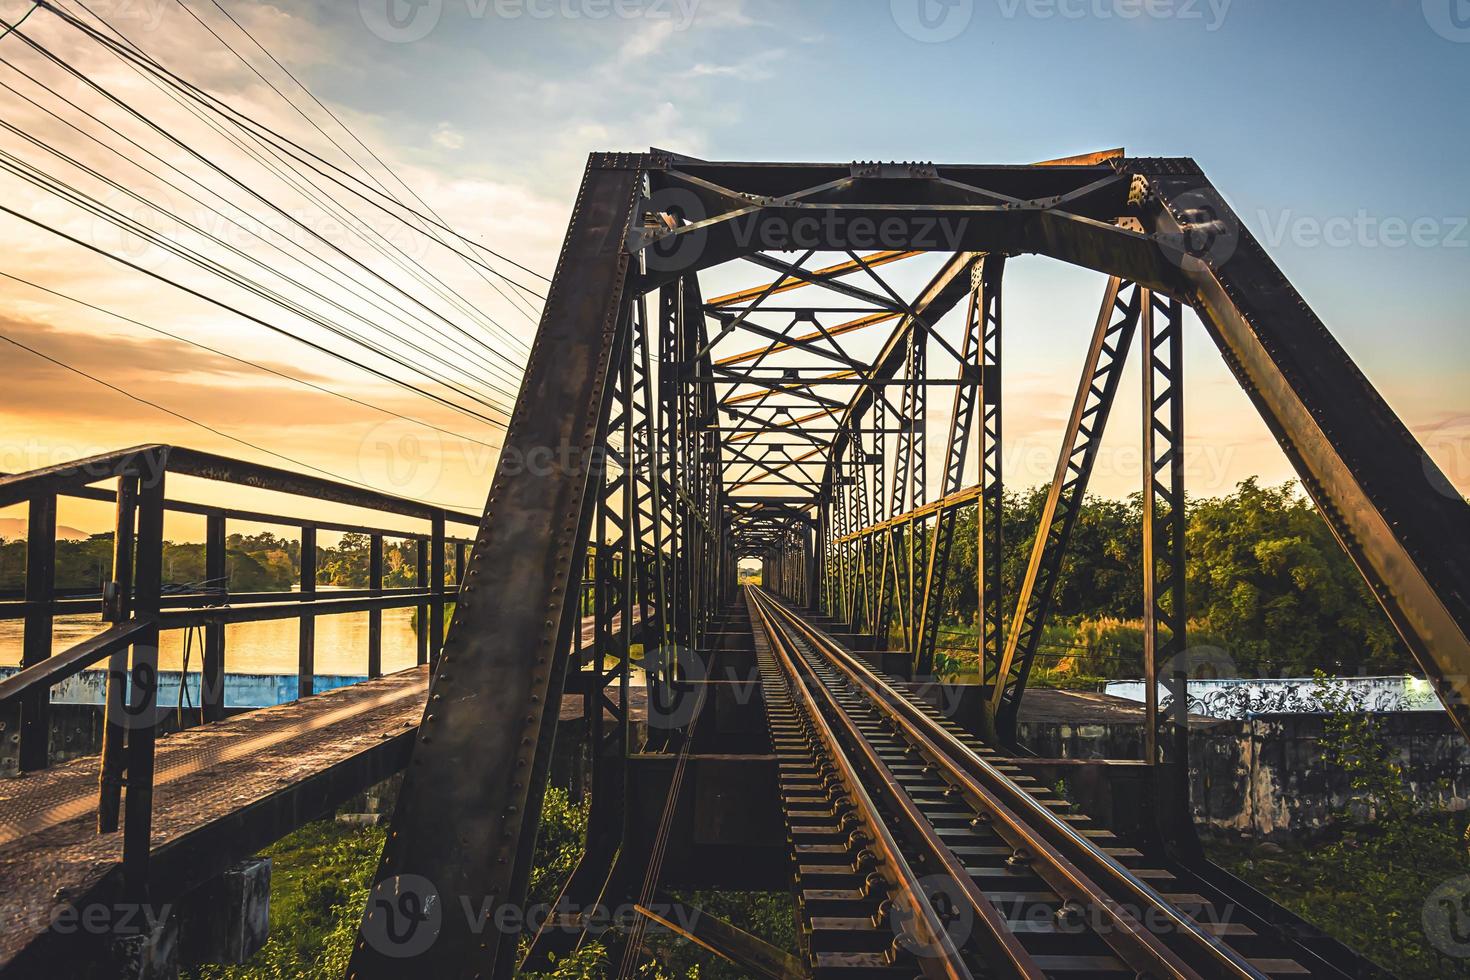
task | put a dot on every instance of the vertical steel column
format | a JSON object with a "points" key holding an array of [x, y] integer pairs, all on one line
{"points": [[306, 653], [825, 548], [118, 609], [1098, 387], [436, 587], [142, 713], [40, 593], [612, 632], [882, 549], [981, 318], [671, 428], [1165, 615], [858, 462], [421, 581], [375, 614], [212, 673], [630, 542], [990, 509], [844, 553], [918, 473], [653, 574], [907, 465]]}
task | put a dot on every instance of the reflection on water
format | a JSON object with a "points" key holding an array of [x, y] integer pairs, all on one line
{"points": [[268, 647]]}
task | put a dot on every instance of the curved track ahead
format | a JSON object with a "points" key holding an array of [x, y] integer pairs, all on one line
{"points": [[919, 850]]}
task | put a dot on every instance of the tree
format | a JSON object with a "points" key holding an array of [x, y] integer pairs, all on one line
{"points": [[1265, 571], [1265, 577]]}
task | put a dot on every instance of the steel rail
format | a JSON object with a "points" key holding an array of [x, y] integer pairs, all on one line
{"points": [[1039, 830], [1002, 941], [893, 867]]}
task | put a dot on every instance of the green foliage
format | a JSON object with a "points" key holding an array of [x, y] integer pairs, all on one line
{"points": [[448, 614], [948, 666], [1265, 571], [1384, 843], [258, 572], [320, 877], [1074, 654], [559, 845], [79, 564], [262, 562], [587, 963], [591, 963], [1353, 743], [767, 915], [1266, 582]]}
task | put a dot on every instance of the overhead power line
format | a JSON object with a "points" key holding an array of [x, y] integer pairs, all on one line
{"points": [[369, 194], [369, 293], [179, 90], [236, 180], [346, 129], [209, 428], [247, 316], [98, 208], [310, 168], [246, 361], [22, 20]]}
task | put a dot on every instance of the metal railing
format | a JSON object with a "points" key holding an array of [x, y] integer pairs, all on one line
{"points": [[137, 607]]}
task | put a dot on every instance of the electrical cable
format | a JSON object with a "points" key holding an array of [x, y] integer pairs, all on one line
{"points": [[333, 116], [231, 177], [369, 294], [241, 360], [209, 428]]}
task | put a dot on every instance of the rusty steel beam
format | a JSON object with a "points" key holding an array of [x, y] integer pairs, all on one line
{"points": [[1388, 504], [827, 272], [1097, 388], [470, 803]]}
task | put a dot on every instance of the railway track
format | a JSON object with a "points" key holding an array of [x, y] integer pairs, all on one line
{"points": [[920, 851]]}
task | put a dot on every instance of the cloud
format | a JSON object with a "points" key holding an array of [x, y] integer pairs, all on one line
{"points": [[651, 36], [757, 68], [446, 137]]}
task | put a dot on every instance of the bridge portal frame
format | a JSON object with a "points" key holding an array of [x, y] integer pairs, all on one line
{"points": [[644, 222]]}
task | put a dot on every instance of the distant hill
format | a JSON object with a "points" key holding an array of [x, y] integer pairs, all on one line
{"points": [[14, 529]]}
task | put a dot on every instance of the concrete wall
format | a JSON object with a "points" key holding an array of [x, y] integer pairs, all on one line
{"points": [[1082, 740], [1263, 777], [1237, 697]]}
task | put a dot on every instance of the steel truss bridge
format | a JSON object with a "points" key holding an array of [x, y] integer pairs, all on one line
{"points": [[672, 423]]}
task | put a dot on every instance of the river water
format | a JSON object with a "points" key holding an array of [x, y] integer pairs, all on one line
{"points": [[268, 647]]}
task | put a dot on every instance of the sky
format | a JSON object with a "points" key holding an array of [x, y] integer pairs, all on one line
{"points": [[1337, 130]]}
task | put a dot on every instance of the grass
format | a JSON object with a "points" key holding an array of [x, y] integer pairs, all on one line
{"points": [[1367, 888], [320, 877], [321, 874], [1074, 654]]}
